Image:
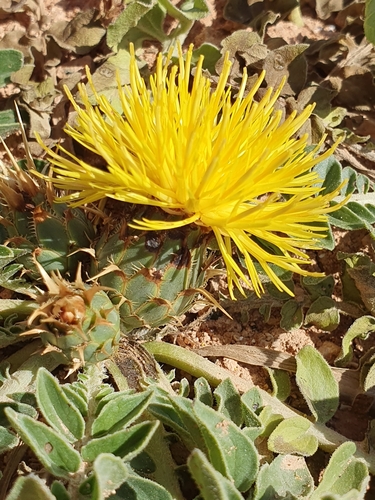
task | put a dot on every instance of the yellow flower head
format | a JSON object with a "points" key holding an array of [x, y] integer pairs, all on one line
{"points": [[223, 162]]}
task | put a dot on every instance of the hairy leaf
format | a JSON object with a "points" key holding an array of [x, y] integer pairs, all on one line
{"points": [[317, 383], [292, 436], [286, 475], [343, 474], [210, 482], [125, 444], [227, 446], [54, 452], [56, 408]]}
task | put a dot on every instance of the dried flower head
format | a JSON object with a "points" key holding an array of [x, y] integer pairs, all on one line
{"points": [[226, 163]]}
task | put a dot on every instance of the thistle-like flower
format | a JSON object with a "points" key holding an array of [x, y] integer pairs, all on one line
{"points": [[226, 163]]}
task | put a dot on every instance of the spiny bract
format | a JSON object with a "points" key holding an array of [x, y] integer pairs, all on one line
{"points": [[31, 219], [77, 319]]}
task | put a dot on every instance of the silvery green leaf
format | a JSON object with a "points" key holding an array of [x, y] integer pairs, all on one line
{"points": [[211, 484], [292, 436], [317, 384], [53, 451], [57, 409]]}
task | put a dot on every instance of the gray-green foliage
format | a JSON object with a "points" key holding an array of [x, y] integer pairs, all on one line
{"points": [[97, 443], [10, 61]]}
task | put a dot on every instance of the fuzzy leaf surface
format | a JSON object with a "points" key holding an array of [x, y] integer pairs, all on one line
{"points": [[210, 482], [343, 474], [110, 472], [56, 408], [30, 488], [229, 401], [120, 412], [126, 443], [7, 440], [317, 383], [10, 61], [361, 328], [141, 489], [202, 391], [292, 436], [369, 23], [286, 475], [227, 446], [54, 452]]}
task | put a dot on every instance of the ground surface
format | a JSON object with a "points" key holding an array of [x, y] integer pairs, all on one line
{"points": [[338, 58]]}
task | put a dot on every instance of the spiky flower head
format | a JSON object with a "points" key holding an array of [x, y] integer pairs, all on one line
{"points": [[218, 160]]}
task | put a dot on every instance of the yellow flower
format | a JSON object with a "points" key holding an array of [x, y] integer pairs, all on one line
{"points": [[223, 162]]}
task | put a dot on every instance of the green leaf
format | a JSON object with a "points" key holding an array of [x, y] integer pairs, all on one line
{"points": [[269, 420], [211, 484], [291, 315], [324, 314], [7, 440], [369, 23], [56, 408], [30, 488], [229, 401], [330, 172], [285, 476], [8, 122], [317, 383], [343, 473], [59, 490], [292, 436], [202, 391], [280, 383], [110, 472], [75, 398], [359, 212], [211, 56], [120, 412], [362, 328], [128, 19], [227, 446], [126, 443], [56, 454], [318, 287], [10, 61], [142, 489], [177, 412]]}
